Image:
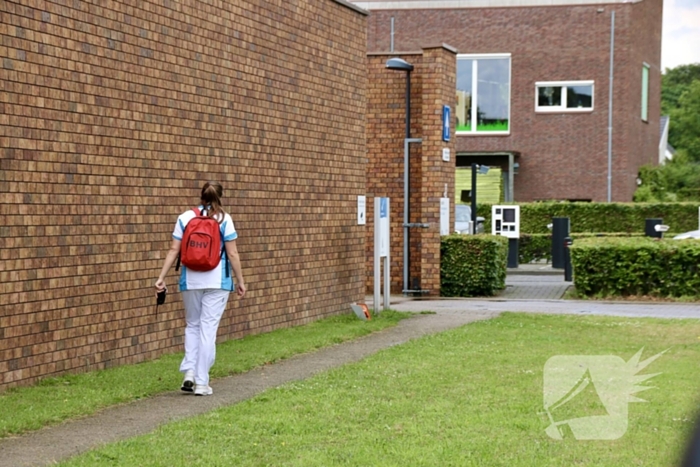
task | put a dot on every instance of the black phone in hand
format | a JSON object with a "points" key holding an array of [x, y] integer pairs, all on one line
{"points": [[161, 297]]}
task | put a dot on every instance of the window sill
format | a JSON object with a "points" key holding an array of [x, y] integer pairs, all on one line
{"points": [[562, 111], [483, 133]]}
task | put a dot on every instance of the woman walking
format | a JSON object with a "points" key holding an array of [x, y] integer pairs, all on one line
{"points": [[204, 291]]}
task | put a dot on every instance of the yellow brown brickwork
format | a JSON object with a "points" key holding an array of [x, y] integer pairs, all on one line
{"points": [[113, 114]]}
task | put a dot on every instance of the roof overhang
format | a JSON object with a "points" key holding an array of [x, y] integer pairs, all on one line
{"points": [[460, 4]]}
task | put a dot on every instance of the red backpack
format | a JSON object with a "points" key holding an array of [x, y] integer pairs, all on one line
{"points": [[200, 249]]}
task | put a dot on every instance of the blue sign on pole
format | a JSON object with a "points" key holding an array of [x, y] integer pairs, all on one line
{"points": [[382, 207], [445, 122]]}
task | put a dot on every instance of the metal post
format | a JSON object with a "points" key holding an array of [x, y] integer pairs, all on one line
{"points": [[473, 198], [511, 178], [406, 205], [406, 193], [610, 104], [561, 227], [567, 259], [407, 188]]}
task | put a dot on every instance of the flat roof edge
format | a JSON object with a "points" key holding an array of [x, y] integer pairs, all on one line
{"points": [[353, 6], [441, 45], [370, 5]]}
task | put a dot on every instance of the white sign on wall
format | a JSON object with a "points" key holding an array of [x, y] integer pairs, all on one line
{"points": [[446, 154], [444, 216], [361, 210]]}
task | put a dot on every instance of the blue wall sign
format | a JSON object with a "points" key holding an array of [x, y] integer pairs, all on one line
{"points": [[383, 202], [445, 122]]}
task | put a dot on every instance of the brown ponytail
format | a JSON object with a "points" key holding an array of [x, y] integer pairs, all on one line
{"points": [[212, 192]]}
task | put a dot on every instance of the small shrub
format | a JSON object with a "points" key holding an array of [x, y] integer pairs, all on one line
{"points": [[473, 265]]}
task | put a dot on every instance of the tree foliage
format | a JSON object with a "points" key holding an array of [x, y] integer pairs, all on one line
{"points": [[684, 132], [674, 82], [679, 179]]}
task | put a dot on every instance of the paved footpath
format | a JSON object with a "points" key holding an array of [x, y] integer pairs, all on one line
{"points": [[47, 446]]}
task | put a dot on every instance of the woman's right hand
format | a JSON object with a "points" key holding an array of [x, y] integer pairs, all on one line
{"points": [[160, 285]]}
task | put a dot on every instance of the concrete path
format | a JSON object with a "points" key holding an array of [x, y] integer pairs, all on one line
{"points": [[535, 287], [531, 291]]}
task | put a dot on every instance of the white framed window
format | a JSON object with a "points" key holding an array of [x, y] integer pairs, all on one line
{"points": [[645, 92], [483, 94], [564, 96]]}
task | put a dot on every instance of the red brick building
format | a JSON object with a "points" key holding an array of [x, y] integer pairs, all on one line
{"points": [[533, 86], [113, 114]]}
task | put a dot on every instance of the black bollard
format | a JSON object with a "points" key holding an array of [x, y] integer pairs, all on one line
{"points": [[560, 230], [649, 229], [568, 241]]}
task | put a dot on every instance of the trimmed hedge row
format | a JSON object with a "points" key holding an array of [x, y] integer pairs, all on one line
{"points": [[538, 247], [601, 217], [636, 266], [472, 265]]}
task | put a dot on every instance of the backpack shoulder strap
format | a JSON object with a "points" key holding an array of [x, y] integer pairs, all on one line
{"points": [[197, 213]]}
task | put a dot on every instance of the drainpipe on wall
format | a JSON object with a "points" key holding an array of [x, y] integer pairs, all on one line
{"points": [[610, 104], [391, 47]]}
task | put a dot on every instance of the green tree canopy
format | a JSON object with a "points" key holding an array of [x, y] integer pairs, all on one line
{"points": [[678, 179], [674, 82], [684, 132]]}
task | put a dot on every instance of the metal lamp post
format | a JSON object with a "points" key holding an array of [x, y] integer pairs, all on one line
{"points": [[402, 65], [482, 169]]}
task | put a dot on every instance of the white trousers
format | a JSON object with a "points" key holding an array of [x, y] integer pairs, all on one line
{"points": [[203, 311]]}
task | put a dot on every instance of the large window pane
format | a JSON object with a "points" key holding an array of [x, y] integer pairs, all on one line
{"points": [[483, 93], [464, 94], [579, 97], [493, 94]]}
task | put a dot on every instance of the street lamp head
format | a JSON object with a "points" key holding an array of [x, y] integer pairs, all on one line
{"points": [[398, 64]]}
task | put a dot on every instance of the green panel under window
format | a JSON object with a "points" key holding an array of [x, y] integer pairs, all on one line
{"points": [[645, 93]]}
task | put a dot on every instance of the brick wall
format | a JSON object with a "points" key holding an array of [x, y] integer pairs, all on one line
{"points": [[432, 86], [562, 156], [112, 115]]}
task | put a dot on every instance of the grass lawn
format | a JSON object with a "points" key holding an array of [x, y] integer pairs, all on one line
{"points": [[56, 399], [472, 396]]}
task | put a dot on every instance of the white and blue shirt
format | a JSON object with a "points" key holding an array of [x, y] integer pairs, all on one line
{"points": [[216, 278]]}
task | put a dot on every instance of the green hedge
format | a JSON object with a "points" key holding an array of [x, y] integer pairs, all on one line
{"points": [[601, 217], [472, 265], [636, 266], [534, 248], [538, 247]]}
